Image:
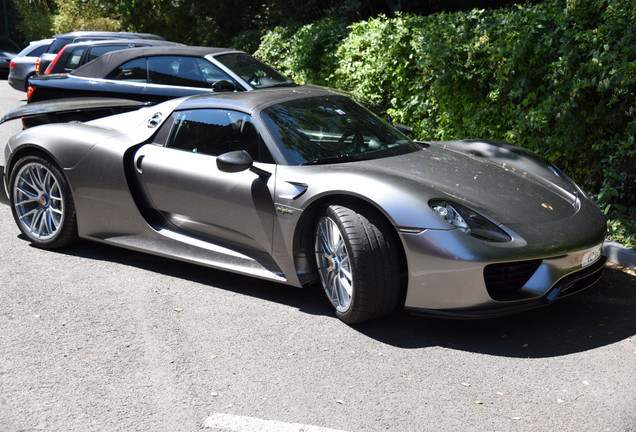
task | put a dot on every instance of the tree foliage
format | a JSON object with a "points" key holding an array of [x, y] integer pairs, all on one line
{"points": [[558, 77]]}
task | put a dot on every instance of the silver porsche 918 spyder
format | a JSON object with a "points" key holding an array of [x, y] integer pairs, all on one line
{"points": [[303, 186]]}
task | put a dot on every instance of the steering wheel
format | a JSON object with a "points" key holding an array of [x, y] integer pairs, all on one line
{"points": [[357, 141], [254, 80]]}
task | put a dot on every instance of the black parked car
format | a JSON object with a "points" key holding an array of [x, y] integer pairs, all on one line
{"points": [[155, 74], [61, 40], [76, 54]]}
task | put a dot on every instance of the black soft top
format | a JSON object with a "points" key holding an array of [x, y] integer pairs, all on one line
{"points": [[103, 65]]}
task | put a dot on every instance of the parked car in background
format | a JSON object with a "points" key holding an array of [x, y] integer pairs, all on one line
{"points": [[61, 40], [76, 54], [22, 66], [156, 74], [8, 50]]}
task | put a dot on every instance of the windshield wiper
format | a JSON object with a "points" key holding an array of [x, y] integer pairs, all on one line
{"points": [[282, 84], [334, 159]]}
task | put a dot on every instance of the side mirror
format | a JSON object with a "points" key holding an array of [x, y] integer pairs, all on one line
{"points": [[223, 85], [237, 161], [404, 129]]}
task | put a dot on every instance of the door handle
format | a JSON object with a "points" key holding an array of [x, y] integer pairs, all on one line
{"points": [[138, 163]]}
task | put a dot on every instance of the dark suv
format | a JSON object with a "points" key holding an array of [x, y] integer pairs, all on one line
{"points": [[76, 54], [61, 40]]}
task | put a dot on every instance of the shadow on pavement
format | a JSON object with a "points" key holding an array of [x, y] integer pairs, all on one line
{"points": [[602, 315]]}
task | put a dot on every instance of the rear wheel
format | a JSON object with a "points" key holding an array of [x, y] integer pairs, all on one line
{"points": [[358, 263], [41, 203]]}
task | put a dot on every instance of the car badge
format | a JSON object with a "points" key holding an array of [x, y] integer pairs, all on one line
{"points": [[155, 120]]}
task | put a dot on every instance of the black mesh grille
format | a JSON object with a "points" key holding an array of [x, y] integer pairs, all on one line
{"points": [[503, 281]]}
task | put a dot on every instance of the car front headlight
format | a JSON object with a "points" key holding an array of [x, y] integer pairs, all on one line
{"points": [[468, 221]]}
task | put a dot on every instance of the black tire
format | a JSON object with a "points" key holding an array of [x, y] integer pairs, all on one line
{"points": [[41, 203], [358, 263]]}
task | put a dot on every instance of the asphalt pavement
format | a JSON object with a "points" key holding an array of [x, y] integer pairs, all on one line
{"points": [[95, 338]]}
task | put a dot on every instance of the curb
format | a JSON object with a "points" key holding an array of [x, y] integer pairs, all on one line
{"points": [[619, 254]]}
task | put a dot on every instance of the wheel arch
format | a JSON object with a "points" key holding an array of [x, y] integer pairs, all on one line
{"points": [[32, 150], [29, 150], [304, 231]]}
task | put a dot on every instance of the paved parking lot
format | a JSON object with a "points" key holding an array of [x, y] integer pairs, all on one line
{"points": [[98, 338]]}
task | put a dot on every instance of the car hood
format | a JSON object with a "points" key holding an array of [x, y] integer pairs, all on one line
{"points": [[509, 184]]}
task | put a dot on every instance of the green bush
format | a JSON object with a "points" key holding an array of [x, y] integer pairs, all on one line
{"points": [[306, 54], [558, 77]]}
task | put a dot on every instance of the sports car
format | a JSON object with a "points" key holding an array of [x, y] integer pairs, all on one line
{"points": [[305, 187]]}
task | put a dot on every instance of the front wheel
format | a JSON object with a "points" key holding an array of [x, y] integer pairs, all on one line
{"points": [[41, 203], [358, 263]]}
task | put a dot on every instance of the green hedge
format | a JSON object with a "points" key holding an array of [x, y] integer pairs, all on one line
{"points": [[557, 77]]}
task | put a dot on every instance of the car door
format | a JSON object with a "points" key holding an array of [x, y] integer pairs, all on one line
{"points": [[180, 180]]}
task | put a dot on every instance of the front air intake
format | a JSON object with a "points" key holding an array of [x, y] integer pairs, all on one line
{"points": [[505, 280]]}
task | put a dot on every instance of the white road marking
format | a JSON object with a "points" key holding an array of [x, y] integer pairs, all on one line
{"points": [[235, 423]]}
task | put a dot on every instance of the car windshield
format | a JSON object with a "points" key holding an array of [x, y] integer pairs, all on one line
{"points": [[253, 72], [332, 129]]}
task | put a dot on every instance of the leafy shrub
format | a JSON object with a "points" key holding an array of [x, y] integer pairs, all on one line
{"points": [[558, 77], [305, 54]]}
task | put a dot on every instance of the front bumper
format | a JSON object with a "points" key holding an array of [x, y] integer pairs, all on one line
{"points": [[570, 284], [454, 275]]}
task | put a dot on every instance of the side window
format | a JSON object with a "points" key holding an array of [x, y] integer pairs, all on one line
{"points": [[184, 71], [74, 58], [216, 131], [133, 70], [99, 50], [37, 52]]}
